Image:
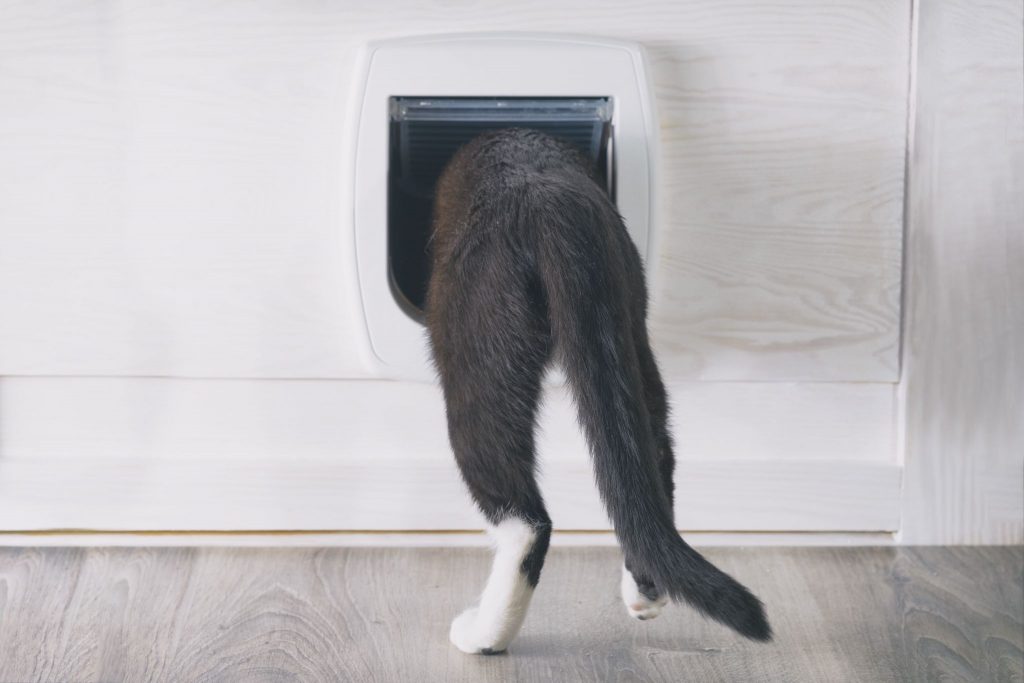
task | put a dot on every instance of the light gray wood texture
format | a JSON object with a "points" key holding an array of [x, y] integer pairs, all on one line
{"points": [[963, 388], [854, 614], [171, 180]]}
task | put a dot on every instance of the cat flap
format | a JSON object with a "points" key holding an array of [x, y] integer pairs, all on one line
{"points": [[424, 134], [416, 99], [426, 131]]}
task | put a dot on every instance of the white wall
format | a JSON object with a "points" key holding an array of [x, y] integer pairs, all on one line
{"points": [[171, 180], [963, 386], [171, 264]]}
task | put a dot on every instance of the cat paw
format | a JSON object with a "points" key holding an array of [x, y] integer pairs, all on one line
{"points": [[645, 609], [466, 635], [638, 605]]}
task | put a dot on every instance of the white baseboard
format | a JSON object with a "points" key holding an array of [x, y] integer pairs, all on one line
{"points": [[113, 454], [405, 539], [400, 495]]}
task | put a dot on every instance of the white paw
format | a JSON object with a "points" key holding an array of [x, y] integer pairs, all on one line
{"points": [[465, 635], [645, 609], [638, 605]]}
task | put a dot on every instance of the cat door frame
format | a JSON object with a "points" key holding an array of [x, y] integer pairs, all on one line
{"points": [[480, 65]]}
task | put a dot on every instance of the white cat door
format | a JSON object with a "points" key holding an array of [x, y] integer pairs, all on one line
{"points": [[417, 100]]}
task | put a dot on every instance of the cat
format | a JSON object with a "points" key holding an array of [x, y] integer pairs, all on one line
{"points": [[531, 265]]}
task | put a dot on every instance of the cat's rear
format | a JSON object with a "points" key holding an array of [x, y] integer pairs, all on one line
{"points": [[532, 263]]}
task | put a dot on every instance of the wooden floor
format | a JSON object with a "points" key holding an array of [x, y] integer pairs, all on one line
{"points": [[358, 614]]}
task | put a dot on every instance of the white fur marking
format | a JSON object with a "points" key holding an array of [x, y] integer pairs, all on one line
{"points": [[639, 605], [491, 626]]}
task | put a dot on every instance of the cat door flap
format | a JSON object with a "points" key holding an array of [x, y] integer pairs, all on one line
{"points": [[424, 135], [428, 131], [595, 90]]}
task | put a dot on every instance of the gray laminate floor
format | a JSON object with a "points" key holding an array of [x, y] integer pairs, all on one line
{"points": [[180, 614]]}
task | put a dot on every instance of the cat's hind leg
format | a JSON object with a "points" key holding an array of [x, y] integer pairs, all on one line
{"points": [[491, 373], [490, 626], [642, 598], [495, 456]]}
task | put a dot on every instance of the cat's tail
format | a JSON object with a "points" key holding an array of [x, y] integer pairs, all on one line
{"points": [[584, 271]]}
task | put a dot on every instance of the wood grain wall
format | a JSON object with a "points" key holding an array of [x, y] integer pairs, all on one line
{"points": [[171, 174], [963, 387], [170, 189]]}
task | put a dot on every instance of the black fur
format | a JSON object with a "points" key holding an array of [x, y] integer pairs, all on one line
{"points": [[532, 263]]}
